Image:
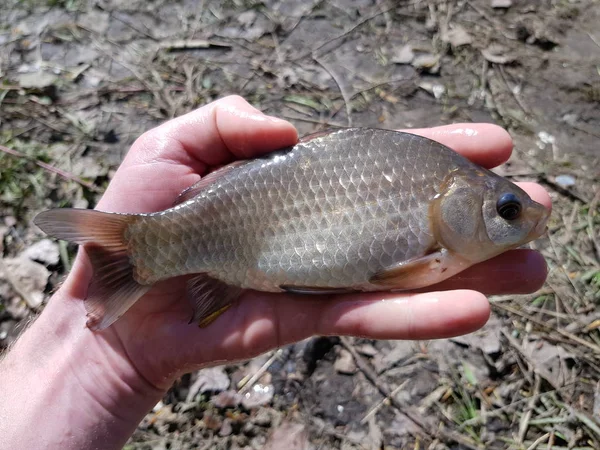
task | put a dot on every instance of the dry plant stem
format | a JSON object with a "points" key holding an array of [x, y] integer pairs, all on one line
{"points": [[569, 223], [496, 24], [247, 382], [560, 331], [538, 441], [513, 93], [445, 436], [379, 404], [66, 175], [590, 219], [524, 425], [357, 25], [580, 295], [343, 91]]}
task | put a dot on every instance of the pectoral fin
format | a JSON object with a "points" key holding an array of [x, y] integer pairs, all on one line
{"points": [[420, 272], [210, 298]]}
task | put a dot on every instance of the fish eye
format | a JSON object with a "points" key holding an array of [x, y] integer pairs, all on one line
{"points": [[508, 206]]}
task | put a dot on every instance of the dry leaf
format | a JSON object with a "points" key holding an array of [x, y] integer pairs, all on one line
{"points": [[345, 363], [213, 379], [404, 55], [457, 37], [27, 278], [44, 251]]}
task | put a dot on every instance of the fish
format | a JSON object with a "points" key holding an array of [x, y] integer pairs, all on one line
{"points": [[346, 210]]}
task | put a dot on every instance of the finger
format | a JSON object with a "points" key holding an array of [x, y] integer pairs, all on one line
{"points": [[485, 144], [537, 193], [261, 322], [514, 272], [227, 129], [431, 315]]}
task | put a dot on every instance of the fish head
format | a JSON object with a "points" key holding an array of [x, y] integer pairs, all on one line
{"points": [[478, 215]]}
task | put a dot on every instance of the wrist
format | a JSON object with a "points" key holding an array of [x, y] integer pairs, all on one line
{"points": [[82, 392]]}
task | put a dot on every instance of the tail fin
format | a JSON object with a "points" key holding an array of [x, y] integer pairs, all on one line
{"points": [[113, 289]]}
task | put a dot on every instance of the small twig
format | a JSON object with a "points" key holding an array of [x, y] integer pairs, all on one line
{"points": [[525, 173], [49, 168], [584, 129], [192, 44], [344, 34], [551, 441], [565, 273], [524, 425], [542, 311], [247, 382], [486, 16], [590, 220], [569, 223], [132, 26], [342, 89], [512, 92], [538, 441], [591, 36], [385, 400]]}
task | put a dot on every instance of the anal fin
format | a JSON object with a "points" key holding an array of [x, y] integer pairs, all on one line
{"points": [[113, 289], [210, 298], [420, 272]]}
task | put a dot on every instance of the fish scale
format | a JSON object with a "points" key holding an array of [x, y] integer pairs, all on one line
{"points": [[349, 214]]}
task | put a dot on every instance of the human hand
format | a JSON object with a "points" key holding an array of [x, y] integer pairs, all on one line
{"points": [[154, 335], [98, 385]]}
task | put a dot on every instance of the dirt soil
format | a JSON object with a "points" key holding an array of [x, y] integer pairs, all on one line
{"points": [[79, 81]]}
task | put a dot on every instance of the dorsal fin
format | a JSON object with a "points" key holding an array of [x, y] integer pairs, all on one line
{"points": [[192, 191], [318, 134]]}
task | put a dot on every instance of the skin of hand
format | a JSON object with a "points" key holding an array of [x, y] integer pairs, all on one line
{"points": [[90, 390]]}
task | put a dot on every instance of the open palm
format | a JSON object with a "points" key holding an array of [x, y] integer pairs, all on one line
{"points": [[155, 336]]}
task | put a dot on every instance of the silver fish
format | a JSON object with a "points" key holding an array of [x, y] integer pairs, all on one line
{"points": [[355, 209]]}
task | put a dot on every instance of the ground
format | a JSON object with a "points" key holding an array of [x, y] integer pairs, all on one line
{"points": [[80, 81]]}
